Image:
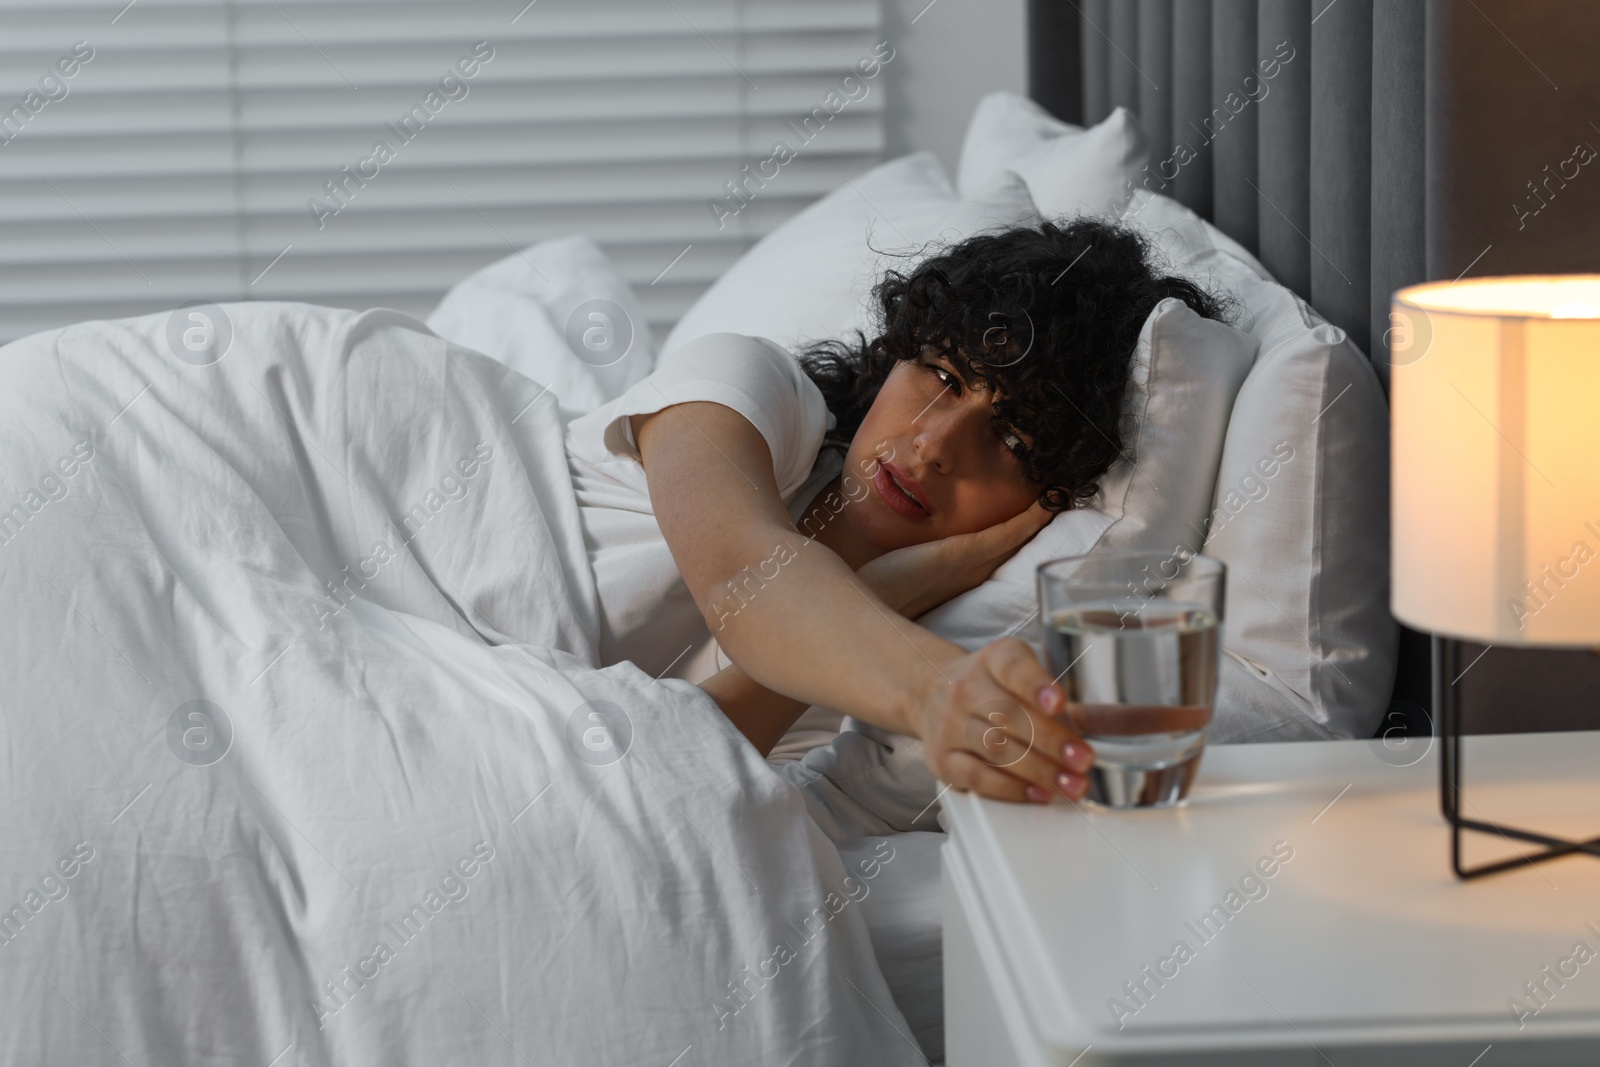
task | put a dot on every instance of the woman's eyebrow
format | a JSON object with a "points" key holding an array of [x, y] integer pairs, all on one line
{"points": [[1012, 428], [964, 369], [1021, 434]]}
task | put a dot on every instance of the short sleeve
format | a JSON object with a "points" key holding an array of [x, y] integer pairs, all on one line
{"points": [[751, 375]]}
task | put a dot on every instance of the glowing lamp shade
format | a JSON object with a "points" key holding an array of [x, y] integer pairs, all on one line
{"points": [[1495, 476]]}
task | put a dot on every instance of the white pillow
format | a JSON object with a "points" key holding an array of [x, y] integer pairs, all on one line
{"points": [[810, 279], [1311, 646], [1005, 127], [1069, 170], [1186, 240], [559, 313], [1185, 373]]}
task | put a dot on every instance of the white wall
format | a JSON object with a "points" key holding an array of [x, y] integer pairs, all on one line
{"points": [[951, 55]]}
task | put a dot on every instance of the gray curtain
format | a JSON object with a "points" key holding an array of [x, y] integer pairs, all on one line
{"points": [[1283, 180], [1235, 141], [1155, 58], [1340, 234], [1191, 88], [1399, 238], [1124, 59], [1273, 99], [1095, 48]]}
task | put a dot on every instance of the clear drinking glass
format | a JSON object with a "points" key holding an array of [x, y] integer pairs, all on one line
{"points": [[1136, 640]]}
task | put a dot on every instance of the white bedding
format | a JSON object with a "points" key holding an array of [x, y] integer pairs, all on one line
{"points": [[419, 845]]}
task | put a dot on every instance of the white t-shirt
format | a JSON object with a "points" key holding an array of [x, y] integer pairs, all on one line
{"points": [[646, 612]]}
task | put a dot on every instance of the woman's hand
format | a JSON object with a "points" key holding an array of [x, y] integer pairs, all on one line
{"points": [[987, 725], [916, 579]]}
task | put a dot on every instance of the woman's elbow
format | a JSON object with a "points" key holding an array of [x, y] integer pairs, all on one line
{"points": [[737, 586]]}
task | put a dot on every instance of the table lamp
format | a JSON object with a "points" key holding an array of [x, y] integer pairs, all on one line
{"points": [[1495, 487]]}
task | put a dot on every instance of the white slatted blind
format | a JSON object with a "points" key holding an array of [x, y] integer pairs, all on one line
{"points": [[179, 161]]}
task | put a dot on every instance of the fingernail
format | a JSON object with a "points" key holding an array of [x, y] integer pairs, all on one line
{"points": [[1078, 757], [1037, 795], [1048, 698], [1071, 785]]}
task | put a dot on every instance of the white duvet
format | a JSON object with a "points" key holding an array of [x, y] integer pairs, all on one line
{"points": [[305, 759]]}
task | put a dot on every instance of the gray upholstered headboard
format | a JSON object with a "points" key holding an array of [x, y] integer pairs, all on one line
{"points": [[1395, 141]]}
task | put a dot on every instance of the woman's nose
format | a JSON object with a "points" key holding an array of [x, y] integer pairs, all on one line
{"points": [[940, 435]]}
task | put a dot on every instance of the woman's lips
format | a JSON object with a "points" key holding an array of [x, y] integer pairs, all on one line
{"points": [[908, 485], [894, 497]]}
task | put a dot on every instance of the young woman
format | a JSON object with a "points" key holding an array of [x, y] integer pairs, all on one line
{"points": [[812, 508]]}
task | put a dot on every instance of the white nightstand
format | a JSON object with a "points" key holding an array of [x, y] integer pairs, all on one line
{"points": [[1062, 927]]}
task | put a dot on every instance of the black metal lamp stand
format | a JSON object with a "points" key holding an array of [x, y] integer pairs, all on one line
{"points": [[1446, 657]]}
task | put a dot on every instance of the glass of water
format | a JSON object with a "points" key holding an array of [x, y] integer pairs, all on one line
{"points": [[1135, 638]]}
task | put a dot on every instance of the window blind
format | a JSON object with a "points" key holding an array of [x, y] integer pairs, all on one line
{"points": [[365, 153]]}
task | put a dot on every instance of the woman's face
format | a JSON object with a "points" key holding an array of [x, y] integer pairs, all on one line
{"points": [[932, 435]]}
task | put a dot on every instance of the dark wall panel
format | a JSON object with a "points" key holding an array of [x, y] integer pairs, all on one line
{"points": [[1514, 93]]}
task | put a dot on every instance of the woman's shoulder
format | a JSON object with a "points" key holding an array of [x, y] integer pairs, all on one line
{"points": [[755, 365], [751, 375]]}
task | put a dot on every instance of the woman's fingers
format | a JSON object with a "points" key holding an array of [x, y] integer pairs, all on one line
{"points": [[1002, 539], [965, 771], [1015, 668], [961, 561], [1036, 518], [1017, 530], [995, 729], [1027, 746], [1013, 665]]}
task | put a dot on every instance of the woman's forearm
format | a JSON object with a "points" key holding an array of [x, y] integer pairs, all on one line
{"points": [[761, 714], [785, 608], [801, 623]]}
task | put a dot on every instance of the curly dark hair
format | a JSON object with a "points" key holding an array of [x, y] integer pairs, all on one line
{"points": [[1045, 318]]}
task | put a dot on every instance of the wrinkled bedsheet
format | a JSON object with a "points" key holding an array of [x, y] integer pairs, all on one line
{"points": [[305, 757]]}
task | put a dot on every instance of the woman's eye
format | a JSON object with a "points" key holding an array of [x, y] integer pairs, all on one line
{"points": [[946, 377], [1013, 443]]}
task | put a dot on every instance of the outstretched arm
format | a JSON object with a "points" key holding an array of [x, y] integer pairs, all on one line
{"points": [[912, 581], [817, 633], [762, 714]]}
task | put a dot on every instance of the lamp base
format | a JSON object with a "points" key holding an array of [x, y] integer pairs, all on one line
{"points": [[1446, 658]]}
